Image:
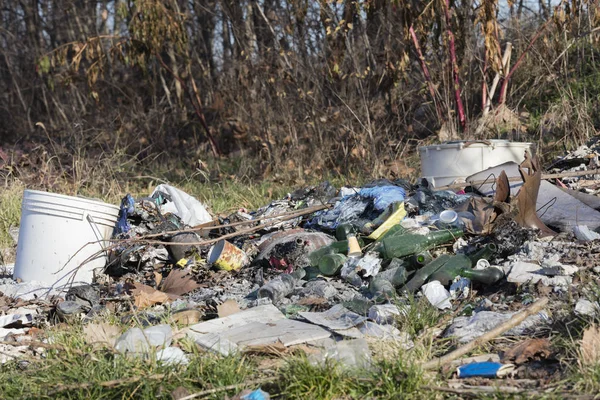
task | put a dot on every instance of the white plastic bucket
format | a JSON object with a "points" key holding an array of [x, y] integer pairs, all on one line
{"points": [[54, 235], [451, 162]]}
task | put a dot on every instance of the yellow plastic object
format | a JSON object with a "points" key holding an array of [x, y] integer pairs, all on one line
{"points": [[394, 219], [182, 263]]}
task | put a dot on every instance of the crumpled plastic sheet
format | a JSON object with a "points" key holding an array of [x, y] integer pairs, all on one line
{"points": [[186, 207], [368, 203], [470, 328]]}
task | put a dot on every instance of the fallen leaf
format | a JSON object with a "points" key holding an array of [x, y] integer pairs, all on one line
{"points": [[157, 278], [187, 317], [179, 282], [484, 211], [313, 301], [101, 334], [590, 346], [145, 296], [502, 194], [528, 350], [527, 197], [229, 307], [179, 393]]}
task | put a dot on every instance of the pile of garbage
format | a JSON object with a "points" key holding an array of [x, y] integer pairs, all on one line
{"points": [[335, 269]]}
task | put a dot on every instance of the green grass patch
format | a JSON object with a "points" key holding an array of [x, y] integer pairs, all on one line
{"points": [[10, 211]]}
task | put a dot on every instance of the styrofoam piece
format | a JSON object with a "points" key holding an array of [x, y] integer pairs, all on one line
{"points": [[58, 234], [444, 164]]}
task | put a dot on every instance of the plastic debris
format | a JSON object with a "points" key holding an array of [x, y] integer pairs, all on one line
{"points": [[437, 295], [485, 370]]}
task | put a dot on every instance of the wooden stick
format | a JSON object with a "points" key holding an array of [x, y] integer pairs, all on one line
{"points": [[230, 387], [253, 229], [497, 331], [570, 174], [283, 217]]}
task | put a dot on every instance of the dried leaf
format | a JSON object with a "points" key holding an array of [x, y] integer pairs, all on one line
{"points": [[527, 197], [145, 296], [101, 334], [502, 194], [484, 211], [229, 307], [590, 346], [187, 317], [179, 393], [528, 350], [313, 301], [157, 278], [179, 282]]}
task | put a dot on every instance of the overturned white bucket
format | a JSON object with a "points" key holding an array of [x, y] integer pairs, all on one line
{"points": [[61, 236], [444, 164]]}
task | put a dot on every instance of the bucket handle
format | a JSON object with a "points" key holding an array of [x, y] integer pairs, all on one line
{"points": [[96, 230]]}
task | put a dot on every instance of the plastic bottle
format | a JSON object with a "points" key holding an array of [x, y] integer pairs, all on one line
{"points": [[408, 244], [280, 286]]}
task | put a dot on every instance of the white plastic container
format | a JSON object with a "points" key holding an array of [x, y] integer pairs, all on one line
{"points": [[451, 162], [54, 235]]}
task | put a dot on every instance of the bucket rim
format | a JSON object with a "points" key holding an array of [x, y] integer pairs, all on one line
{"points": [[72, 198], [496, 142]]}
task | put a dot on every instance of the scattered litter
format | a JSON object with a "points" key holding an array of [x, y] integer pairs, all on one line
{"points": [[329, 271], [466, 329], [175, 201], [437, 295], [384, 313], [140, 342], [586, 307], [336, 318]]}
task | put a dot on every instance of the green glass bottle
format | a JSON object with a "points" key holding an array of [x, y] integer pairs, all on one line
{"points": [[409, 244], [486, 252], [330, 264], [421, 259], [335, 247], [421, 276], [460, 265], [395, 230], [342, 231]]}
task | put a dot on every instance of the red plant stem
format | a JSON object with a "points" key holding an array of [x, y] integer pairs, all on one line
{"points": [[514, 68], [462, 118], [426, 73], [484, 88]]}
